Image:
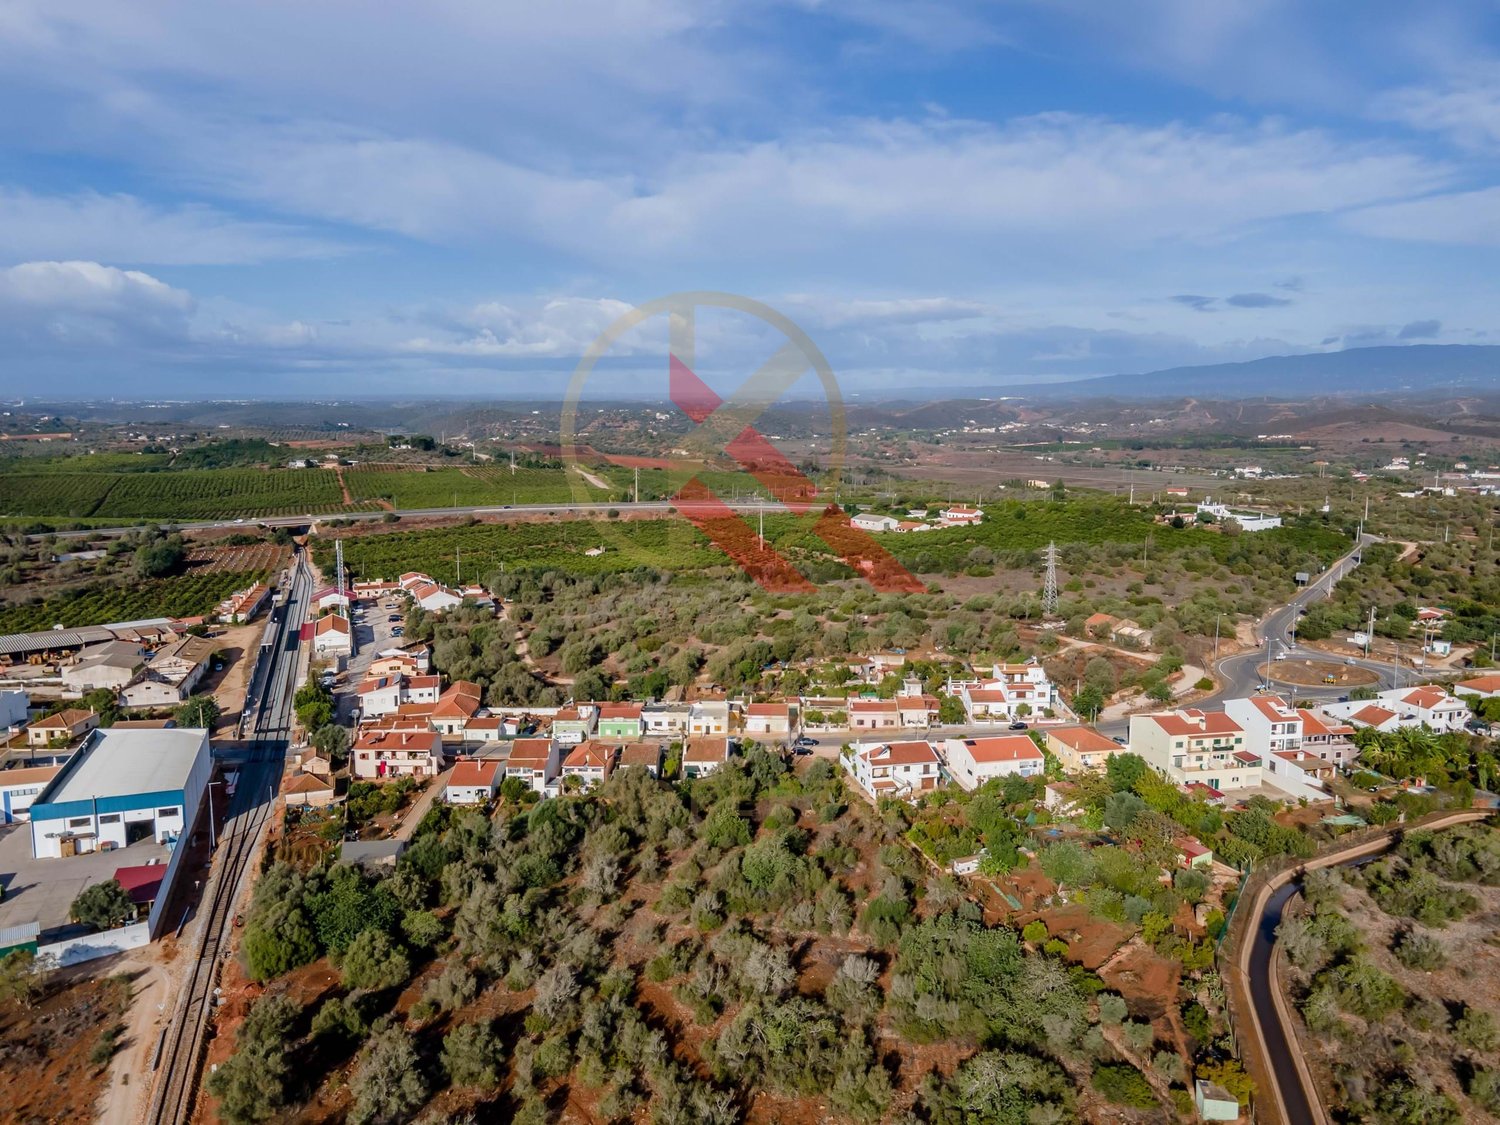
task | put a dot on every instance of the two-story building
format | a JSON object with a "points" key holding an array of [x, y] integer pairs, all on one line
{"points": [[379, 755], [535, 761], [332, 637], [1270, 724], [973, 761], [1190, 745], [170, 676], [1081, 747], [573, 725], [590, 762], [1328, 739], [894, 769]]}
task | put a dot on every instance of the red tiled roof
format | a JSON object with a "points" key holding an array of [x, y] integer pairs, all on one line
{"points": [[1214, 722], [641, 754], [531, 753], [1373, 716], [1002, 748], [1484, 684], [333, 623], [714, 748], [473, 775], [591, 755], [873, 706], [769, 710], [1084, 740], [902, 753], [1425, 697], [379, 739], [619, 710]]}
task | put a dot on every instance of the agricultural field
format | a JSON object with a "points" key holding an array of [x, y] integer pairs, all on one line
{"points": [[99, 603], [215, 493], [1393, 968], [252, 558], [426, 487], [189, 494]]}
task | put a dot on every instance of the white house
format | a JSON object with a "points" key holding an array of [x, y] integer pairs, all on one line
{"points": [[1328, 739], [874, 714], [591, 762], [869, 521], [332, 636], [379, 695], [1191, 746], [1427, 706], [1081, 748], [701, 756], [709, 716], [973, 761], [381, 754], [1485, 687], [769, 720], [894, 769], [473, 783], [665, 720], [1248, 519], [958, 515], [1270, 725], [572, 725], [535, 761]]}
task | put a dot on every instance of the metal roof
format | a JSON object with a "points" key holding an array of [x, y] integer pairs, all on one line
{"points": [[15, 643]]}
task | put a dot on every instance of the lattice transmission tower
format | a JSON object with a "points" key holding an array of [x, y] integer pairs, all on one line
{"points": [[1049, 584]]}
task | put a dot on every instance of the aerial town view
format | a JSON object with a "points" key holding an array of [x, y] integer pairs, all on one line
{"points": [[897, 562]]}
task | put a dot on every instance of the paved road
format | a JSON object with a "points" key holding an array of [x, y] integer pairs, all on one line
{"points": [[413, 513], [1295, 1100], [1242, 674]]}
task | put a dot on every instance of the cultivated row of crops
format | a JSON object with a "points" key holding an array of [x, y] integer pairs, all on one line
{"points": [[173, 495], [492, 485], [101, 603]]}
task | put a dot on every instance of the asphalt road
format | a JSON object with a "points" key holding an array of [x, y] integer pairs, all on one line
{"points": [[413, 513], [1280, 1049]]}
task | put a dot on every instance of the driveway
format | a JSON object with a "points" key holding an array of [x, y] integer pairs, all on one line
{"points": [[372, 635], [42, 890]]}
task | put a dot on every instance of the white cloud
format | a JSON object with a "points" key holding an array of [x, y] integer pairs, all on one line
{"points": [[122, 228], [45, 304], [1467, 109], [1470, 218]]}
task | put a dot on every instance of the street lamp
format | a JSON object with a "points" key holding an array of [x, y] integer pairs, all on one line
{"points": [[212, 840]]}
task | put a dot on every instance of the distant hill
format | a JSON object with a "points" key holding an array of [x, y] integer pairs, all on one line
{"points": [[1413, 368]]}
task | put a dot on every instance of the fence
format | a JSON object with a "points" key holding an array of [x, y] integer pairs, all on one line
{"points": [[75, 951]]}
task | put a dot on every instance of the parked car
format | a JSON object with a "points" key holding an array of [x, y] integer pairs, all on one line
{"points": [[398, 631], [1121, 741], [1018, 725]]}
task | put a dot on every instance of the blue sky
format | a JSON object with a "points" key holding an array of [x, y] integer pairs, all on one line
{"points": [[455, 198]]}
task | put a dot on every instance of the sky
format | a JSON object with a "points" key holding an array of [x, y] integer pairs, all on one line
{"points": [[455, 198]]}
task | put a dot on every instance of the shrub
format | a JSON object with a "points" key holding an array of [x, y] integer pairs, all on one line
{"points": [[373, 961], [1419, 951], [388, 1082], [472, 1054], [1035, 931], [1122, 1084]]}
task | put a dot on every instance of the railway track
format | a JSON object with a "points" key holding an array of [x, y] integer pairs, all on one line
{"points": [[179, 1056]]}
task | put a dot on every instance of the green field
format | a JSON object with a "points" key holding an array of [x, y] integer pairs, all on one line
{"points": [[103, 602], [1011, 535], [476, 485], [79, 488]]}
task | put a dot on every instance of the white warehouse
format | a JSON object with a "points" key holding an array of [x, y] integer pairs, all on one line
{"points": [[121, 787]]}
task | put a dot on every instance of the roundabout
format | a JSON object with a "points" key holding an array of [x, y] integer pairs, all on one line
{"points": [[1327, 674]]}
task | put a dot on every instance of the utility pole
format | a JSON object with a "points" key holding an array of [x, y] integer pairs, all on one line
{"points": [[1216, 637], [637, 484], [1370, 633]]}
